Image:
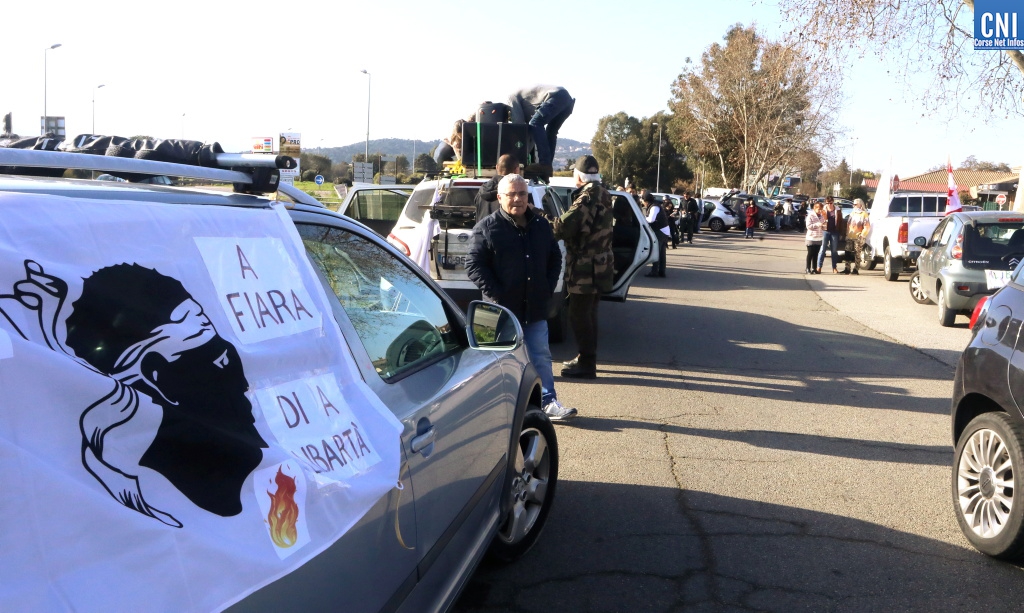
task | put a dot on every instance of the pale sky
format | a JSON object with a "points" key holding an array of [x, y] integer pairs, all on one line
{"points": [[228, 71]]}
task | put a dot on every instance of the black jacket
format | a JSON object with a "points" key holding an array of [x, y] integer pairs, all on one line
{"points": [[517, 268]]}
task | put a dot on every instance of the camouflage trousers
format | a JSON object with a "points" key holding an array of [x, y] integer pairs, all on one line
{"points": [[856, 248]]}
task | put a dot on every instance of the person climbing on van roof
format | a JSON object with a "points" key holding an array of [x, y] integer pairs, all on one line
{"points": [[545, 108]]}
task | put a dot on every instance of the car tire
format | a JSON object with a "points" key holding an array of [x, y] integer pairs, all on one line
{"points": [[916, 290], [983, 499], [867, 259], [763, 225], [946, 315], [532, 488], [893, 267], [717, 225]]}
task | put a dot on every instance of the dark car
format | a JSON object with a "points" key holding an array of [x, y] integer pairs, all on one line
{"points": [[765, 210], [988, 427]]}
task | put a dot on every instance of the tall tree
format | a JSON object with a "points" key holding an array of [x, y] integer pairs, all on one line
{"points": [[931, 36], [751, 106], [628, 147]]}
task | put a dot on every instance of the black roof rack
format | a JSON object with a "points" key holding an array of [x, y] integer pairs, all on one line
{"points": [[252, 173]]}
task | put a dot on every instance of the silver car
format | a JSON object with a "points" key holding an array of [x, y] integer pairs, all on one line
{"points": [[969, 255], [479, 459]]}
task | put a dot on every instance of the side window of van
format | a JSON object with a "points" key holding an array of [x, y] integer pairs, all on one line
{"points": [[931, 204], [898, 205]]}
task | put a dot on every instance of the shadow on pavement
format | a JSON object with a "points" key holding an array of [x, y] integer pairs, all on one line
{"points": [[631, 548]]}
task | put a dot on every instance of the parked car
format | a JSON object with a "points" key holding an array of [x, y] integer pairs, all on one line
{"points": [[765, 215], [478, 459], [375, 206], [969, 255], [988, 427], [717, 216]]}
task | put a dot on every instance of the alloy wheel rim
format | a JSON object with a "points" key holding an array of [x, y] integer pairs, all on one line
{"points": [[915, 287], [985, 483], [529, 486]]}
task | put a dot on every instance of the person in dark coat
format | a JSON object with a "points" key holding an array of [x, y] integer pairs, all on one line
{"points": [[516, 262]]}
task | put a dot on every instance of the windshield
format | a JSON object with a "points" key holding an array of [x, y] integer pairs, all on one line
{"points": [[991, 245]]}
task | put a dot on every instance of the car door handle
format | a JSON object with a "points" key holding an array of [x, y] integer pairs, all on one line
{"points": [[421, 442]]}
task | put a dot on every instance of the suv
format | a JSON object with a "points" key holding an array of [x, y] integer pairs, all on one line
{"points": [[249, 400], [988, 427], [968, 256], [440, 246]]}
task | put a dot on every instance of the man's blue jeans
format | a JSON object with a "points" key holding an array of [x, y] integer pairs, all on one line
{"points": [[829, 238], [546, 122], [535, 335]]}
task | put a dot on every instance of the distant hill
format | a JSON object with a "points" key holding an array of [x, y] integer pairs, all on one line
{"points": [[567, 149]]}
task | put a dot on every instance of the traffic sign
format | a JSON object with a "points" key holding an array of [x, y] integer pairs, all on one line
{"points": [[1001, 199], [319, 179]]}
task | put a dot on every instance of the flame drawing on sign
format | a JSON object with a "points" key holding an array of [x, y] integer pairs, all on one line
{"points": [[284, 513]]}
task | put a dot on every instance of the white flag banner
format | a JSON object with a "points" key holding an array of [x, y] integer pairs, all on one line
{"points": [[180, 423]]}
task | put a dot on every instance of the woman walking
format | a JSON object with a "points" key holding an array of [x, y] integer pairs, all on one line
{"points": [[813, 222]]}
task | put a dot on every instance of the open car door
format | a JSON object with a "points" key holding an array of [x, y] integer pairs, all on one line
{"points": [[632, 239]]}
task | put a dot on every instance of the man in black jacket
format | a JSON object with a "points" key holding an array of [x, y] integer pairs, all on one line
{"points": [[515, 261]]}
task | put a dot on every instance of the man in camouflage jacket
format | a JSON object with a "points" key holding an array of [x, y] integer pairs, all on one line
{"points": [[586, 229]]}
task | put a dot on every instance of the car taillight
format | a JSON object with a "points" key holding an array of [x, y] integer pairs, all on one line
{"points": [[958, 248], [979, 311], [904, 231], [401, 246]]}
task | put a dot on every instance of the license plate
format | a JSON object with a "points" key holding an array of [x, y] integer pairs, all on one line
{"points": [[449, 262], [997, 278]]}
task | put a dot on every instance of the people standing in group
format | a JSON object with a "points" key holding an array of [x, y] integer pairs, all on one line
{"points": [[693, 214], [659, 223], [814, 222], [858, 225], [750, 211], [674, 220], [515, 261], [831, 235], [586, 229]]}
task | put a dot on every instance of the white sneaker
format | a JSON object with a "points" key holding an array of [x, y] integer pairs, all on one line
{"points": [[557, 412]]}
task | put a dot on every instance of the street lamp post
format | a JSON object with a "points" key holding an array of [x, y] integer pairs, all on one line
{"points": [[369, 81], [853, 147], [45, 116], [657, 181], [94, 108]]}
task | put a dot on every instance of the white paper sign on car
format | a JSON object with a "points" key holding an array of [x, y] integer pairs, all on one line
{"points": [[144, 347], [994, 279]]}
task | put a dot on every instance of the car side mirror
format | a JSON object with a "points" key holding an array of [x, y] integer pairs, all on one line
{"points": [[921, 241], [492, 327]]}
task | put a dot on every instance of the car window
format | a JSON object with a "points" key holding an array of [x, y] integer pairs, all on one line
{"points": [[994, 240], [931, 204], [914, 204], [898, 205], [376, 205], [399, 319], [937, 232], [947, 232]]}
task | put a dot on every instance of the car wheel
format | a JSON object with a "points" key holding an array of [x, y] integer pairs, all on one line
{"points": [[867, 259], [763, 225], [532, 489], [916, 291], [986, 465], [946, 315], [717, 225], [892, 267]]}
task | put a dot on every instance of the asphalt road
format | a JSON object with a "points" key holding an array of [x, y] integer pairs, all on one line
{"points": [[757, 440]]}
